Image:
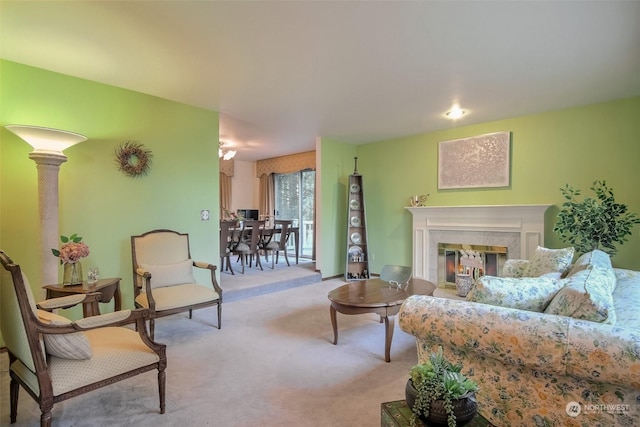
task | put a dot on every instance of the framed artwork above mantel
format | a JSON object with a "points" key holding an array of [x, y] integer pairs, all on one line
{"points": [[482, 161]]}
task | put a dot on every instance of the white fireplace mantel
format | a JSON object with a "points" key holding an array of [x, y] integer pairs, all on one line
{"points": [[522, 226]]}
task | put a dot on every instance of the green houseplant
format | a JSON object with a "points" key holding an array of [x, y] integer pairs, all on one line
{"points": [[598, 223], [438, 393]]}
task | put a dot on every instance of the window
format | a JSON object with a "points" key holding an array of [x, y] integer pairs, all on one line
{"points": [[295, 199]]}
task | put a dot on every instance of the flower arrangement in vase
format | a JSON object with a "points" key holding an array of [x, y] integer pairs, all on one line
{"points": [[70, 253]]}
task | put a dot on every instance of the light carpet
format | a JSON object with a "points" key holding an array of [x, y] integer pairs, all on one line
{"points": [[272, 364], [258, 282]]}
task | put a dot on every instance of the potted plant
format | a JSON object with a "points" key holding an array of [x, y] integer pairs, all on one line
{"points": [[598, 223], [438, 393]]}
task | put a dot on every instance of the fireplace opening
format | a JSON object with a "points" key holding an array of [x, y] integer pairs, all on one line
{"points": [[474, 260]]}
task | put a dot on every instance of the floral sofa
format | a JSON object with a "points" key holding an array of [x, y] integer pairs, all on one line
{"points": [[565, 356]]}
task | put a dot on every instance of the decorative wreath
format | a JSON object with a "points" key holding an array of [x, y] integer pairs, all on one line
{"points": [[133, 159]]}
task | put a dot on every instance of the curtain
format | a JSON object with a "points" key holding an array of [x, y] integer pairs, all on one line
{"points": [[267, 195], [284, 164], [226, 173], [225, 194]]}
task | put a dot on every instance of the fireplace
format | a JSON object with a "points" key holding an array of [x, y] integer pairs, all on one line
{"points": [[519, 228], [470, 260]]}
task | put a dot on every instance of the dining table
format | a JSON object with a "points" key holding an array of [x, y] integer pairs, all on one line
{"points": [[295, 232]]}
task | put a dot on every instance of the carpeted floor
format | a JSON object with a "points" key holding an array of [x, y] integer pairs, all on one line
{"points": [[272, 364], [258, 282]]}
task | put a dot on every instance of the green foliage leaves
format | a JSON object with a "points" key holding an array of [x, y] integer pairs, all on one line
{"points": [[439, 379], [594, 223], [64, 239]]}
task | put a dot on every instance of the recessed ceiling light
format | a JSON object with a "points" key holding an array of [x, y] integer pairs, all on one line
{"points": [[455, 112]]}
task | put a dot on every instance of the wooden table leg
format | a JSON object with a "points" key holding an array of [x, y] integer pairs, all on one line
{"points": [[90, 309], [388, 336], [334, 323], [117, 299]]}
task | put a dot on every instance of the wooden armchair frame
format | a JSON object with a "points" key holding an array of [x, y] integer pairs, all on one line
{"points": [[143, 278], [39, 365]]}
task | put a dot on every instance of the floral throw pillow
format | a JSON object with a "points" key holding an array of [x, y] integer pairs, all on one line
{"points": [[546, 260], [587, 296], [527, 293], [514, 267]]}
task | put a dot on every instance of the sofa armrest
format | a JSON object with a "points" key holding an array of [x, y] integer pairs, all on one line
{"points": [[536, 341], [511, 336]]}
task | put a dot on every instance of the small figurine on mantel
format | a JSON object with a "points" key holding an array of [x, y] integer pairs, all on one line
{"points": [[418, 201]]}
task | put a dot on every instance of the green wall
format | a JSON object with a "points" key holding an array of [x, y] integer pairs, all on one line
{"points": [[575, 146], [336, 159], [548, 150], [96, 200]]}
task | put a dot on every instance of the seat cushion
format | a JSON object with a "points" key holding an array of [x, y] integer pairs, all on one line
{"points": [[526, 293], [170, 274], [68, 346], [546, 260], [115, 351], [170, 297]]}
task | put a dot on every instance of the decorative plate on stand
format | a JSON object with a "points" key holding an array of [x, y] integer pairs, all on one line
{"points": [[354, 204], [356, 238], [355, 188], [355, 221]]}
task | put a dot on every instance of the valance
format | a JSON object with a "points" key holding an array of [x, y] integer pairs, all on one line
{"points": [[286, 164], [227, 167]]}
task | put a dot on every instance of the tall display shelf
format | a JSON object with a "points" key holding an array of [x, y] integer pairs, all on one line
{"points": [[357, 253]]}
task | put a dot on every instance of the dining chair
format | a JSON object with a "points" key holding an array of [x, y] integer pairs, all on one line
{"points": [[277, 241], [163, 279], [249, 246], [55, 359], [227, 243]]}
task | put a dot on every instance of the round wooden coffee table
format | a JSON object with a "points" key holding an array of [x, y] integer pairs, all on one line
{"points": [[375, 296]]}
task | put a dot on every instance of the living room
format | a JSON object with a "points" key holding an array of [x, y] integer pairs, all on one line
{"points": [[575, 146]]}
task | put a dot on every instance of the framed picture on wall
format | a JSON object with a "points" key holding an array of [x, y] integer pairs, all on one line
{"points": [[475, 162]]}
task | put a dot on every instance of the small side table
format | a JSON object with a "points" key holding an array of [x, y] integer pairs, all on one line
{"points": [[109, 288], [398, 414]]}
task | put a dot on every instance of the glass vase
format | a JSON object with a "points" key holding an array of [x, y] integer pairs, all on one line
{"points": [[72, 273]]}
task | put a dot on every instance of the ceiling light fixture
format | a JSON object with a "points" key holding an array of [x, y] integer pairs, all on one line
{"points": [[225, 155], [455, 113]]}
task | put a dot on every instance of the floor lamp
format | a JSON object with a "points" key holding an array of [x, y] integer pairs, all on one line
{"points": [[48, 145]]}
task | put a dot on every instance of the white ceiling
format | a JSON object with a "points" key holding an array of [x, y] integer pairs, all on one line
{"points": [[283, 72]]}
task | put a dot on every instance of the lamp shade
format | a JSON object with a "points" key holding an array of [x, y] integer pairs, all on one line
{"points": [[46, 139]]}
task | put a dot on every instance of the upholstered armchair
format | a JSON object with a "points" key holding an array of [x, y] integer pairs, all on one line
{"points": [[55, 359], [163, 278]]}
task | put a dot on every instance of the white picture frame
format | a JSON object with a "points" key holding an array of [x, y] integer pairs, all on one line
{"points": [[482, 161]]}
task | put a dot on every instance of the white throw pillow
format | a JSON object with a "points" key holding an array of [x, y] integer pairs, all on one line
{"points": [[526, 293], [546, 260], [68, 346], [170, 274]]}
